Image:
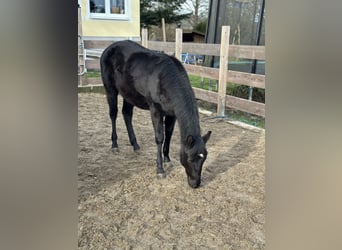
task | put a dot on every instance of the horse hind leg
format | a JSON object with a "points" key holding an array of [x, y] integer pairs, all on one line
{"points": [[127, 112], [112, 99], [107, 75]]}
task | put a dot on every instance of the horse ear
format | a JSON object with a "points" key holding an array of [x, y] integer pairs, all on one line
{"points": [[190, 141], [206, 136]]}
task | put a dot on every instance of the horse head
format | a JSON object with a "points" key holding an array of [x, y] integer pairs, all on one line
{"points": [[192, 156]]}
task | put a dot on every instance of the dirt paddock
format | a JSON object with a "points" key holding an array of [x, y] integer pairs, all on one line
{"points": [[122, 205]]}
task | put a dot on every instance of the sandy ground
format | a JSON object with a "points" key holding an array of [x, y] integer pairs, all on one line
{"points": [[122, 205]]}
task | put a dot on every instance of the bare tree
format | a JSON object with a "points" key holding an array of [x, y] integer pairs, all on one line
{"points": [[199, 9]]}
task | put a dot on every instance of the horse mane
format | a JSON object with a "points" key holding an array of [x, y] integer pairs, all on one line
{"points": [[179, 83]]}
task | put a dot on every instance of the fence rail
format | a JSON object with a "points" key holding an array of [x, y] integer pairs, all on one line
{"points": [[222, 74]]}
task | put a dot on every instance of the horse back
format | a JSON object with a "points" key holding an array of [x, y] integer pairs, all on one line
{"points": [[113, 72], [142, 76]]}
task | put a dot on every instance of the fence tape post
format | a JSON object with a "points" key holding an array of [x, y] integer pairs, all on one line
{"points": [[164, 30], [82, 80], [144, 37], [221, 99], [179, 41]]}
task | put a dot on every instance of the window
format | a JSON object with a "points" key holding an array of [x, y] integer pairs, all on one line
{"points": [[109, 9]]}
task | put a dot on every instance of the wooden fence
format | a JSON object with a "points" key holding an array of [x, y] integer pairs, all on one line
{"points": [[222, 74]]}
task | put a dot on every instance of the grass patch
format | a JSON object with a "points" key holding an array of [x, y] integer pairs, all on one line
{"points": [[233, 114], [246, 118], [93, 74], [198, 82], [210, 84], [230, 113]]}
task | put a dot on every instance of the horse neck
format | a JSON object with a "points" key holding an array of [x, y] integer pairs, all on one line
{"points": [[184, 102], [188, 120]]}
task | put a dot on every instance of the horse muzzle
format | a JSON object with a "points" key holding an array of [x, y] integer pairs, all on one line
{"points": [[194, 183]]}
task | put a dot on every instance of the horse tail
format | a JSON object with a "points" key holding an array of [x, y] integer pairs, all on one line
{"points": [[108, 70]]}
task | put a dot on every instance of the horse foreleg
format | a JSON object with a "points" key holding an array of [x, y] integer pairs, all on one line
{"points": [[169, 126], [127, 111], [157, 120]]}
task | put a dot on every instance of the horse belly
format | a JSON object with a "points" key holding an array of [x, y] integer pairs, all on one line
{"points": [[139, 102], [149, 87], [131, 95]]}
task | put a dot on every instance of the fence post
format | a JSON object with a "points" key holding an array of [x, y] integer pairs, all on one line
{"points": [[163, 28], [82, 80], [221, 100], [144, 37], [179, 41]]}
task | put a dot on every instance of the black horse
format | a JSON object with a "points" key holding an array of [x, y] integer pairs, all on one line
{"points": [[159, 83]]}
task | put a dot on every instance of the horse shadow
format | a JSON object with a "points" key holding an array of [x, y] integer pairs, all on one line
{"points": [[229, 158]]}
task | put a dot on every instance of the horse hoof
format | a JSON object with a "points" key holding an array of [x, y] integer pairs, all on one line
{"points": [[161, 175], [115, 150], [136, 148]]}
